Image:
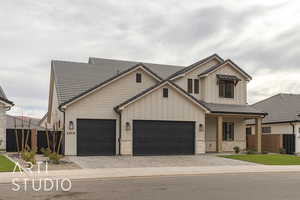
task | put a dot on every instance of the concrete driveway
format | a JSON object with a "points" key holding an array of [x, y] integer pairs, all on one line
{"points": [[93, 162]]}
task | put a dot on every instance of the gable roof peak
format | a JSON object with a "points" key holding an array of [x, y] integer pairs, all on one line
{"points": [[227, 61], [196, 64]]}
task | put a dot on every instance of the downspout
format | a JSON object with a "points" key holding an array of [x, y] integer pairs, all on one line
{"points": [[64, 127], [293, 125], [120, 128]]}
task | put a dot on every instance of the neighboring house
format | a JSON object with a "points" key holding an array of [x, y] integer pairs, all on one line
{"points": [[22, 122], [5, 105], [283, 116], [44, 122], [109, 107], [23, 125]]}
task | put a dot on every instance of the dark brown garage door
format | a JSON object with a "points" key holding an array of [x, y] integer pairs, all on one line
{"points": [[96, 137], [163, 137]]}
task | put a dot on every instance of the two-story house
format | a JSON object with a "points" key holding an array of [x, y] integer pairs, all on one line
{"points": [[5, 105], [109, 107]]}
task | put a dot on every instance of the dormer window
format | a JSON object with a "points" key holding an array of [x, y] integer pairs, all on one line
{"points": [[226, 85], [226, 89], [138, 77]]}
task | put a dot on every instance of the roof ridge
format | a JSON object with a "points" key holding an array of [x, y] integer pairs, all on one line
{"points": [[266, 99], [145, 63], [283, 93], [65, 61]]}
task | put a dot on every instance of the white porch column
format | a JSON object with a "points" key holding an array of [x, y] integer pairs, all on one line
{"points": [[219, 133], [297, 138], [258, 133]]}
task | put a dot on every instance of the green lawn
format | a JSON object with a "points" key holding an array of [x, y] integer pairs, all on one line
{"points": [[6, 165], [267, 159]]}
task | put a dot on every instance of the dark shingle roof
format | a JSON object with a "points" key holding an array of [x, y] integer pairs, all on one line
{"points": [[73, 79], [280, 108], [161, 69], [233, 109], [3, 97], [2, 94]]}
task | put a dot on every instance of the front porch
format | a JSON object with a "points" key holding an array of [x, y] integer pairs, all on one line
{"points": [[225, 131]]}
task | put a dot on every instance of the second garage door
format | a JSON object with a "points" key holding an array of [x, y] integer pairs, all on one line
{"points": [[96, 137], [163, 137]]}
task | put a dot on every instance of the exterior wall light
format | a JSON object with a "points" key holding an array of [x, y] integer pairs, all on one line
{"points": [[200, 127], [128, 127], [71, 125]]}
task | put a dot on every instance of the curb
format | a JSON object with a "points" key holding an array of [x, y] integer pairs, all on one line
{"points": [[148, 172]]}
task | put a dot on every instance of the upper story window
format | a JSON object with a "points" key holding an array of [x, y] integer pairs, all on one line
{"points": [[226, 89], [196, 86], [138, 77], [227, 84], [165, 92], [190, 85], [228, 131], [266, 129], [248, 131], [193, 86]]}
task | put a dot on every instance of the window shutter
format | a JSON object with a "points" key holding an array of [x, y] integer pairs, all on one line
{"points": [[221, 88]]}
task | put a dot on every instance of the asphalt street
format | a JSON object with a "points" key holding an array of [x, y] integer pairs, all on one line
{"points": [[273, 186]]}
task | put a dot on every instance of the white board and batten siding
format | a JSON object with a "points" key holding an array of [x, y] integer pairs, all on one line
{"points": [[212, 88], [193, 74], [209, 89], [154, 106], [100, 104]]}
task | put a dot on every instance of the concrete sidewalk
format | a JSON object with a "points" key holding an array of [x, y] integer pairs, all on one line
{"points": [[146, 172]]}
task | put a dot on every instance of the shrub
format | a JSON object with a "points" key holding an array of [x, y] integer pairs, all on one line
{"points": [[282, 151], [46, 152], [264, 152], [237, 149], [55, 157], [29, 155], [251, 151]]}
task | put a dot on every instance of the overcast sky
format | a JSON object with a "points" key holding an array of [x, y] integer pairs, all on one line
{"points": [[262, 37]]}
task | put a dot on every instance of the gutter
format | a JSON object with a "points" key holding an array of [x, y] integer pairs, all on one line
{"points": [[245, 113], [8, 108]]}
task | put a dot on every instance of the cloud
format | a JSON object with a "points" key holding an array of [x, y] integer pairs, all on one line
{"points": [[260, 36]]}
